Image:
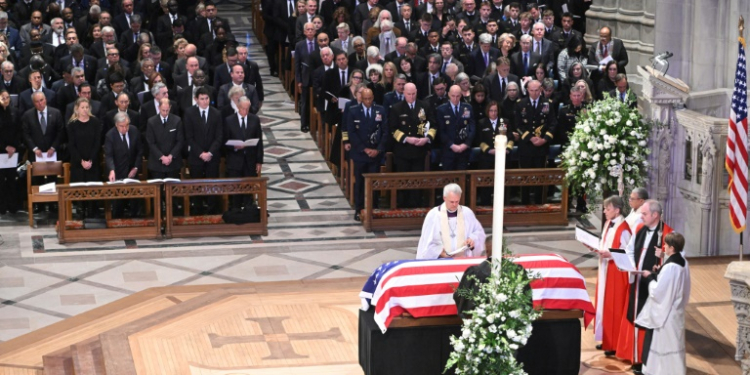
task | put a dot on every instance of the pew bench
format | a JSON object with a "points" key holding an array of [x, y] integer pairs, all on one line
{"points": [[547, 213], [391, 183], [213, 225]]}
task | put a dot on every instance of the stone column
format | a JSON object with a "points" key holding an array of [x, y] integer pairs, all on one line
{"points": [[738, 274]]}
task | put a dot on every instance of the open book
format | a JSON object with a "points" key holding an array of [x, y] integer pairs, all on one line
{"points": [[162, 180], [90, 183], [48, 188], [125, 181], [460, 250], [237, 142]]}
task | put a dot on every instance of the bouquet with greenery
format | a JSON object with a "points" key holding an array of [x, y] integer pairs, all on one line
{"points": [[607, 149], [497, 327]]}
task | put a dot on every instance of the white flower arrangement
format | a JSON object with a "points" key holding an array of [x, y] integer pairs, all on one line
{"points": [[498, 326], [608, 143]]}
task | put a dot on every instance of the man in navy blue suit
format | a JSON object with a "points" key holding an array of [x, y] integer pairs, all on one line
{"points": [[456, 128], [482, 57], [367, 127], [14, 38], [303, 71]]}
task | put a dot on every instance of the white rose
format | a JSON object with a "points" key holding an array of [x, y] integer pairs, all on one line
{"points": [[584, 155], [602, 132], [629, 123], [642, 143], [612, 162], [624, 142], [595, 157], [490, 318], [583, 184], [606, 155], [587, 129], [599, 146], [459, 347]]}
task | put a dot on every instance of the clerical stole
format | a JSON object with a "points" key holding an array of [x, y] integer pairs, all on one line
{"points": [[611, 286], [645, 259], [453, 238]]}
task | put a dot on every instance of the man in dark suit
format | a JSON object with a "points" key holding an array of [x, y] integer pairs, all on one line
{"points": [[238, 79], [69, 93], [11, 142], [411, 123], [14, 37], [117, 88], [399, 51], [153, 107], [523, 61], [132, 39], [608, 47], [536, 121], [396, 8], [333, 80], [11, 82], [123, 101], [43, 128], [243, 161], [622, 91], [207, 25], [303, 70], [204, 135], [543, 46], [456, 128], [165, 138], [223, 72], [419, 36], [164, 23], [482, 57], [26, 100], [439, 97], [496, 84], [465, 48], [561, 36], [123, 151], [186, 97], [252, 71], [361, 13], [179, 65], [283, 18], [186, 79], [397, 95], [367, 128], [425, 80], [112, 59], [122, 21]]}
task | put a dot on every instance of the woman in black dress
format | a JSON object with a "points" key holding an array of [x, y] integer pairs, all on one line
{"points": [[375, 74], [10, 143], [84, 144]]}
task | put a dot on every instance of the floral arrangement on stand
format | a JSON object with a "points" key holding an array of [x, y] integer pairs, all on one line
{"points": [[608, 149], [497, 327]]}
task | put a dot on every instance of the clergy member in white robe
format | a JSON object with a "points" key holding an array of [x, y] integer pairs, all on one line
{"points": [[664, 312], [637, 197], [451, 227]]}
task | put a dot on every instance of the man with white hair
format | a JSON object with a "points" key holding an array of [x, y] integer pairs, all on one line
{"points": [[373, 57], [386, 41], [57, 37], [522, 62], [482, 57], [451, 230], [359, 51], [543, 46], [344, 42], [400, 50]]}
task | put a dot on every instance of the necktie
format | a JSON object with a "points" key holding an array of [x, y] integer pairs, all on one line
{"points": [[210, 29], [343, 78], [612, 224], [387, 45], [407, 24], [165, 120], [7, 84], [290, 8], [344, 45], [125, 141], [43, 122], [486, 60], [502, 85], [494, 125], [445, 65], [538, 48], [400, 97], [59, 39], [242, 126], [455, 110], [367, 114], [604, 50], [203, 116], [309, 46], [533, 103], [525, 63], [135, 37], [622, 96], [411, 106]]}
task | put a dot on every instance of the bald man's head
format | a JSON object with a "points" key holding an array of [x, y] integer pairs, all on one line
{"points": [[410, 92], [367, 97], [454, 94]]}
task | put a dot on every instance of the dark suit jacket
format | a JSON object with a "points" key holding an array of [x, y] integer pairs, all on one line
{"points": [[477, 67], [549, 51], [185, 98], [203, 138], [361, 13], [492, 85], [516, 63], [303, 63], [165, 140], [120, 23], [108, 102], [283, 24], [423, 84], [164, 29], [64, 96], [203, 25], [17, 85], [128, 47], [247, 157], [25, 103], [252, 77], [15, 41], [109, 120], [361, 130], [250, 92], [618, 53], [448, 124], [558, 36], [118, 157], [179, 66], [148, 110], [32, 131]]}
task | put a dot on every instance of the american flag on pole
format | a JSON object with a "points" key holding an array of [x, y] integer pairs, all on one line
{"points": [[424, 288], [736, 160]]}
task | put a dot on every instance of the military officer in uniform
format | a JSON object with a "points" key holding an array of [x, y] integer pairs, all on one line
{"points": [[566, 123], [487, 129], [367, 128], [456, 128], [535, 121], [413, 129]]}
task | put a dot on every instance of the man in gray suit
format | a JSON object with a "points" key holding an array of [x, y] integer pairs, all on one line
{"points": [[345, 42], [36, 23]]}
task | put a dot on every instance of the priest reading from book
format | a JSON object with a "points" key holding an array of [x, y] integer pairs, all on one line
{"points": [[611, 284], [642, 250], [451, 230], [663, 315]]}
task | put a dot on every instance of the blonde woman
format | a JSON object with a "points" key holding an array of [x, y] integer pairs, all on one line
{"points": [[84, 144]]}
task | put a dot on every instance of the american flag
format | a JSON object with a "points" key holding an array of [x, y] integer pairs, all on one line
{"points": [[736, 160], [424, 288]]}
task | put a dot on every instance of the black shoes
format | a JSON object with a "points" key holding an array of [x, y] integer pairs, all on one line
{"points": [[609, 353], [637, 369], [356, 217], [305, 129], [599, 347]]}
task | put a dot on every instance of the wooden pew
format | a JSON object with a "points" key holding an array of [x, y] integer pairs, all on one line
{"points": [[543, 214], [206, 187], [66, 227], [411, 218]]}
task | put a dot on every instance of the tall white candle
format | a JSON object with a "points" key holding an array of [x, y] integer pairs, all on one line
{"points": [[498, 206]]}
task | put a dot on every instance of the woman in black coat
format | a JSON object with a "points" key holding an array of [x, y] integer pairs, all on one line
{"points": [[84, 145]]}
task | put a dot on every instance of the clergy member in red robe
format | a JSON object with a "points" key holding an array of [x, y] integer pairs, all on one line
{"points": [[642, 252], [611, 284]]}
